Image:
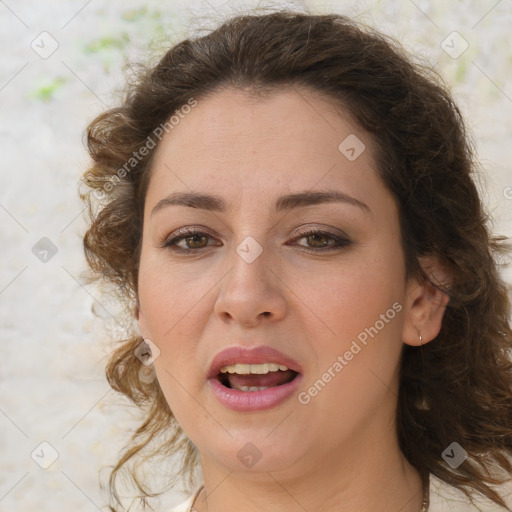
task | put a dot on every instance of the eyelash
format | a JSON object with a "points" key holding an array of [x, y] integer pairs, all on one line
{"points": [[339, 241]]}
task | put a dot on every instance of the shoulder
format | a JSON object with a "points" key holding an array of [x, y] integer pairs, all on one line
{"points": [[186, 505], [446, 498]]}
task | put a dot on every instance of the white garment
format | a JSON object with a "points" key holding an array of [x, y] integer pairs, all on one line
{"points": [[185, 506], [446, 498], [443, 498]]}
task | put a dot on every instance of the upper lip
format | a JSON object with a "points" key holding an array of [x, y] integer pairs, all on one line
{"points": [[255, 355]]}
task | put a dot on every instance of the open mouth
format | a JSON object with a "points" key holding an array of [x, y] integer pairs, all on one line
{"points": [[255, 377]]}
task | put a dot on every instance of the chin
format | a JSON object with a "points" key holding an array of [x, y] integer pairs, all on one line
{"points": [[256, 452]]}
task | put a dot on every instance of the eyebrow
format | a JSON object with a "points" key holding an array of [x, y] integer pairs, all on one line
{"points": [[284, 203]]}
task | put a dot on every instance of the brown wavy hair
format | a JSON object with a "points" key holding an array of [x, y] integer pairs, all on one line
{"points": [[455, 388]]}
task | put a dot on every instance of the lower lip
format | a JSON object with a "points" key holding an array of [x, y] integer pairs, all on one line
{"points": [[254, 400]]}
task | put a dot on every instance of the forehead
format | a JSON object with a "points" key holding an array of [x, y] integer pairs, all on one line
{"points": [[285, 115], [290, 139]]}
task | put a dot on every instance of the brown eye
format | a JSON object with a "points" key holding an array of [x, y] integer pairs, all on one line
{"points": [[318, 241], [196, 241], [188, 242]]}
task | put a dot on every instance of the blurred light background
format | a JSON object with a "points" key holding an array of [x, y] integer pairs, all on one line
{"points": [[61, 65]]}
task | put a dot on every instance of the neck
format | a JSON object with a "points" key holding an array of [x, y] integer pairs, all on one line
{"points": [[363, 477]]}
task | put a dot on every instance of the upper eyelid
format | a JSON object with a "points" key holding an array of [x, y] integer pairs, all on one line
{"points": [[200, 229], [193, 230]]}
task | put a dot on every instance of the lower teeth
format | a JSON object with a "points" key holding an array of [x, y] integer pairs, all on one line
{"points": [[252, 388]]}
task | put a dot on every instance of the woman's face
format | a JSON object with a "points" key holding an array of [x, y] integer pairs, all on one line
{"points": [[333, 303]]}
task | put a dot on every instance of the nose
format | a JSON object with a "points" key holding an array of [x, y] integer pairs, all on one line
{"points": [[251, 291]]}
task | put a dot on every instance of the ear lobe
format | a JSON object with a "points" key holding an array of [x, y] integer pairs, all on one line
{"points": [[425, 304]]}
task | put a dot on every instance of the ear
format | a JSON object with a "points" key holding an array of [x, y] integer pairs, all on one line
{"points": [[425, 304]]}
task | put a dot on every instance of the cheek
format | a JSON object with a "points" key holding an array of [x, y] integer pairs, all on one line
{"points": [[172, 305], [174, 309], [171, 298], [352, 297], [361, 303], [358, 356]]}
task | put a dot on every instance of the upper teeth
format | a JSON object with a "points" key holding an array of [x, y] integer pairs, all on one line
{"points": [[245, 369]]}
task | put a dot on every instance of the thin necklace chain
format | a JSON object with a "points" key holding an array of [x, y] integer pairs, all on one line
{"points": [[426, 494], [424, 505]]}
